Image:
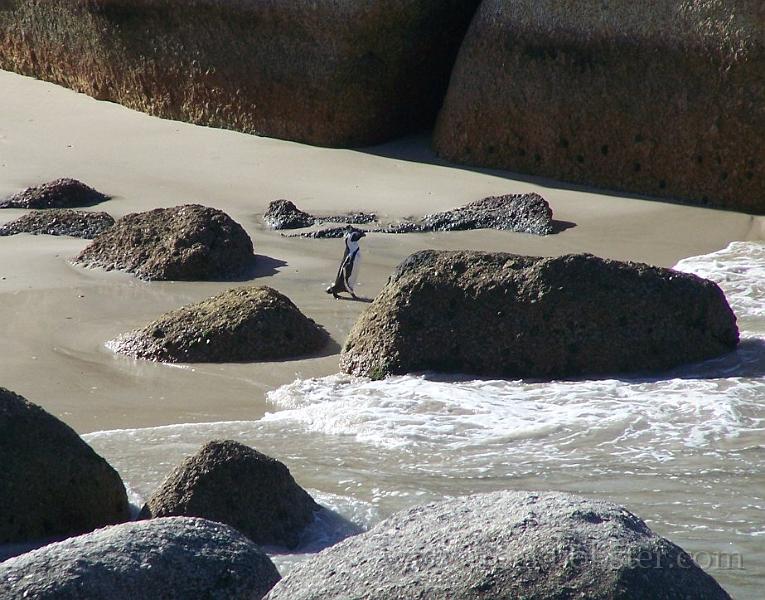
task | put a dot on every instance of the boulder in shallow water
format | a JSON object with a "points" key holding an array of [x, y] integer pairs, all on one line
{"points": [[60, 221], [664, 98], [241, 324], [52, 484], [535, 546], [172, 559], [61, 193], [283, 214], [231, 483], [497, 314], [190, 243]]}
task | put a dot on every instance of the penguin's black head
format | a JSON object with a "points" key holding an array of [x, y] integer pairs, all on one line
{"points": [[357, 235]]}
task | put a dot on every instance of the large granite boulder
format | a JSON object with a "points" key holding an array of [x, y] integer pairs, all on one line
{"points": [[231, 483], [327, 72], [52, 484], [172, 559], [663, 98], [190, 243], [241, 324], [61, 193], [60, 221], [535, 546], [499, 314]]}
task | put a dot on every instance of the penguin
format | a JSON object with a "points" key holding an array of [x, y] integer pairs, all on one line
{"points": [[349, 266]]}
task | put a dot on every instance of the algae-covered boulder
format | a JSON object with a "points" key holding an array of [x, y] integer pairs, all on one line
{"points": [[283, 214], [535, 546], [505, 315], [231, 483], [52, 484], [663, 98], [172, 559], [242, 324], [190, 242], [327, 72], [61, 193], [60, 221]]}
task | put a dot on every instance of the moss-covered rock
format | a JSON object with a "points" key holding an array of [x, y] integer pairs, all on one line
{"points": [[60, 221], [191, 243], [242, 324], [60, 193], [664, 98]]}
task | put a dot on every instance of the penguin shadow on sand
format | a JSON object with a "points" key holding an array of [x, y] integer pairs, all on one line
{"points": [[348, 272]]}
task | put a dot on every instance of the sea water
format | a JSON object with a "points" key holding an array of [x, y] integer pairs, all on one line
{"points": [[684, 449]]}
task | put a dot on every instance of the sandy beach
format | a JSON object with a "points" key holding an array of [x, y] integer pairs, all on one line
{"points": [[56, 317]]}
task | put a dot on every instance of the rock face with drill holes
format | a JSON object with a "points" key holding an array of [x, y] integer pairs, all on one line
{"points": [[497, 314], [663, 98], [52, 484], [172, 559], [61, 193], [241, 324], [189, 243], [60, 221], [535, 546], [231, 483]]}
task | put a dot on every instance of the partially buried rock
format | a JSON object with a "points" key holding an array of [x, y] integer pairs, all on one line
{"points": [[172, 559], [283, 214], [241, 324], [525, 213], [60, 221], [535, 546], [190, 243], [505, 315], [231, 483], [52, 484], [61, 193]]}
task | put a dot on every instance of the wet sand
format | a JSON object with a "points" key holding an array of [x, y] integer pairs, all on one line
{"points": [[55, 317]]}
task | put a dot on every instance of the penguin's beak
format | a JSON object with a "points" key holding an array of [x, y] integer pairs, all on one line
{"points": [[362, 234]]}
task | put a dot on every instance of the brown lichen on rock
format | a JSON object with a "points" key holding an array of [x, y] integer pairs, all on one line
{"points": [[498, 314], [189, 243], [60, 221], [242, 324], [231, 483], [60, 193], [324, 72], [663, 98], [52, 484]]}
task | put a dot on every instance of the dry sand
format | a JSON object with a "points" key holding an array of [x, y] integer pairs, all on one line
{"points": [[55, 318]]}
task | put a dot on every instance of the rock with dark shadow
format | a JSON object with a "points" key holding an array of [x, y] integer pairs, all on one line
{"points": [[241, 324], [52, 484], [525, 213], [172, 559], [496, 314], [189, 243], [61, 193], [663, 98], [60, 221], [283, 214], [231, 483], [535, 546]]}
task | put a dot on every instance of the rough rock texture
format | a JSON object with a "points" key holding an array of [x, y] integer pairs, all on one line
{"points": [[171, 559], [665, 98], [234, 484], [283, 214], [520, 316], [61, 193], [526, 213], [242, 324], [60, 221], [324, 233], [535, 546], [52, 484], [352, 218], [190, 242], [327, 72]]}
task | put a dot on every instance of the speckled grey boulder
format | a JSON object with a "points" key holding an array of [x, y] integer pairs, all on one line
{"points": [[171, 559], [60, 221], [52, 484], [534, 546], [60, 193]]}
